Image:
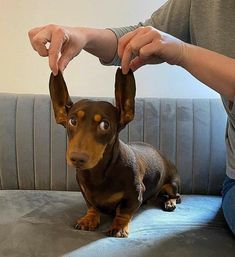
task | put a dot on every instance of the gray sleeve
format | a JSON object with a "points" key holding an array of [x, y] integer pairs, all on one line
{"points": [[230, 108], [119, 32], [230, 137], [172, 18]]}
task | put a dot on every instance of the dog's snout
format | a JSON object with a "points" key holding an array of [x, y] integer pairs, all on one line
{"points": [[79, 159]]}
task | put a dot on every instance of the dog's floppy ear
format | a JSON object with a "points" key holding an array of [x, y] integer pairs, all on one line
{"points": [[60, 98], [125, 96]]}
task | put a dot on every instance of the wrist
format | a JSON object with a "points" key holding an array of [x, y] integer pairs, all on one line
{"points": [[100, 42], [184, 55], [81, 36]]}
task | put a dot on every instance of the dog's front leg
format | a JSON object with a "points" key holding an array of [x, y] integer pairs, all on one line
{"points": [[90, 221], [120, 225]]}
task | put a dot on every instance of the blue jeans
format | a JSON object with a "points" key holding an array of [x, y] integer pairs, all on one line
{"points": [[228, 202]]}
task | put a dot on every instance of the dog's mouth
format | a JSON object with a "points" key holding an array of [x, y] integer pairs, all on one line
{"points": [[78, 165]]}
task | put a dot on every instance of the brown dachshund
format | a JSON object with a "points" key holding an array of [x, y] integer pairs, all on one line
{"points": [[114, 177]]}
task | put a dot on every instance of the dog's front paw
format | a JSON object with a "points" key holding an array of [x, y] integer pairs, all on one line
{"points": [[87, 222], [117, 232], [120, 226]]}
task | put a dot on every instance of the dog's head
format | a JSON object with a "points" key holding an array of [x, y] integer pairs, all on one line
{"points": [[92, 125]]}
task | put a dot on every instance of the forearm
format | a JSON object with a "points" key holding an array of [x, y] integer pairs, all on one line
{"points": [[101, 43], [215, 70]]}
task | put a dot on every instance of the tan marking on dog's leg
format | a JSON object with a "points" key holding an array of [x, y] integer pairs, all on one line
{"points": [[90, 221], [120, 226]]}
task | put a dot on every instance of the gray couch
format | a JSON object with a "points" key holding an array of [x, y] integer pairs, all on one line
{"points": [[40, 199]]}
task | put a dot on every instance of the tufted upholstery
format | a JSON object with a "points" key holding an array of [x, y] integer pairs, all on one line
{"points": [[39, 222], [190, 132]]}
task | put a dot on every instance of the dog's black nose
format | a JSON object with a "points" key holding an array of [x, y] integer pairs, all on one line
{"points": [[79, 159]]}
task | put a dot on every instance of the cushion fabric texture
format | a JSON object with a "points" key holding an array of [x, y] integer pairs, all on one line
{"points": [[40, 199], [40, 223]]}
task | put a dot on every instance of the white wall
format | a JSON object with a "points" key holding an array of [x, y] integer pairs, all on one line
{"points": [[23, 71]]}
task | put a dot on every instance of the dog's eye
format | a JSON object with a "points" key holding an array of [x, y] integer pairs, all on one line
{"points": [[104, 125], [73, 121]]}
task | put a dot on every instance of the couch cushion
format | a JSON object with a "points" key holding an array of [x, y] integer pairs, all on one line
{"points": [[40, 224], [189, 132]]}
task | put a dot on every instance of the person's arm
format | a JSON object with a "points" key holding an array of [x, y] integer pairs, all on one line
{"points": [[215, 70], [67, 42], [147, 45]]}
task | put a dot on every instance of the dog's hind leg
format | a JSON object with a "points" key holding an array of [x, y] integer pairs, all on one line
{"points": [[169, 196]]}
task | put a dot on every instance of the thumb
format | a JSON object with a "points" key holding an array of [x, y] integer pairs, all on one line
{"points": [[136, 63], [64, 60]]}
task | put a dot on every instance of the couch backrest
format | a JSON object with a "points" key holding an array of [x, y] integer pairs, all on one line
{"points": [[190, 132]]}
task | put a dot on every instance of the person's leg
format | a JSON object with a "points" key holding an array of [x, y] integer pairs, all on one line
{"points": [[228, 203]]}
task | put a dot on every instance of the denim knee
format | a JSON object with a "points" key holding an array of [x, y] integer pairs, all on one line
{"points": [[228, 203]]}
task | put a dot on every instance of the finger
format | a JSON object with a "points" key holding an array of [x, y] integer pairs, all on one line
{"points": [[132, 49], [136, 63], [58, 40], [32, 33], [40, 40], [39, 37], [123, 41], [126, 59], [64, 60], [150, 52]]}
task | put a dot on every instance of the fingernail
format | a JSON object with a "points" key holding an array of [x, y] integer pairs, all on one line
{"points": [[127, 70], [55, 73], [124, 70]]}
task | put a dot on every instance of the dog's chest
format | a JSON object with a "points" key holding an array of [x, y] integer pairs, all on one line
{"points": [[103, 197], [106, 202]]}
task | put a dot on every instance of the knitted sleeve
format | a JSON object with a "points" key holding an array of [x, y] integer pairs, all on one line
{"points": [[172, 18]]}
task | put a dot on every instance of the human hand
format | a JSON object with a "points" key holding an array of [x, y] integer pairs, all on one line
{"points": [[147, 45], [64, 44]]}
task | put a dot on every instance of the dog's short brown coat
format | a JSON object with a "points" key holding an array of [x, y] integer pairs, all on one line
{"points": [[114, 177]]}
